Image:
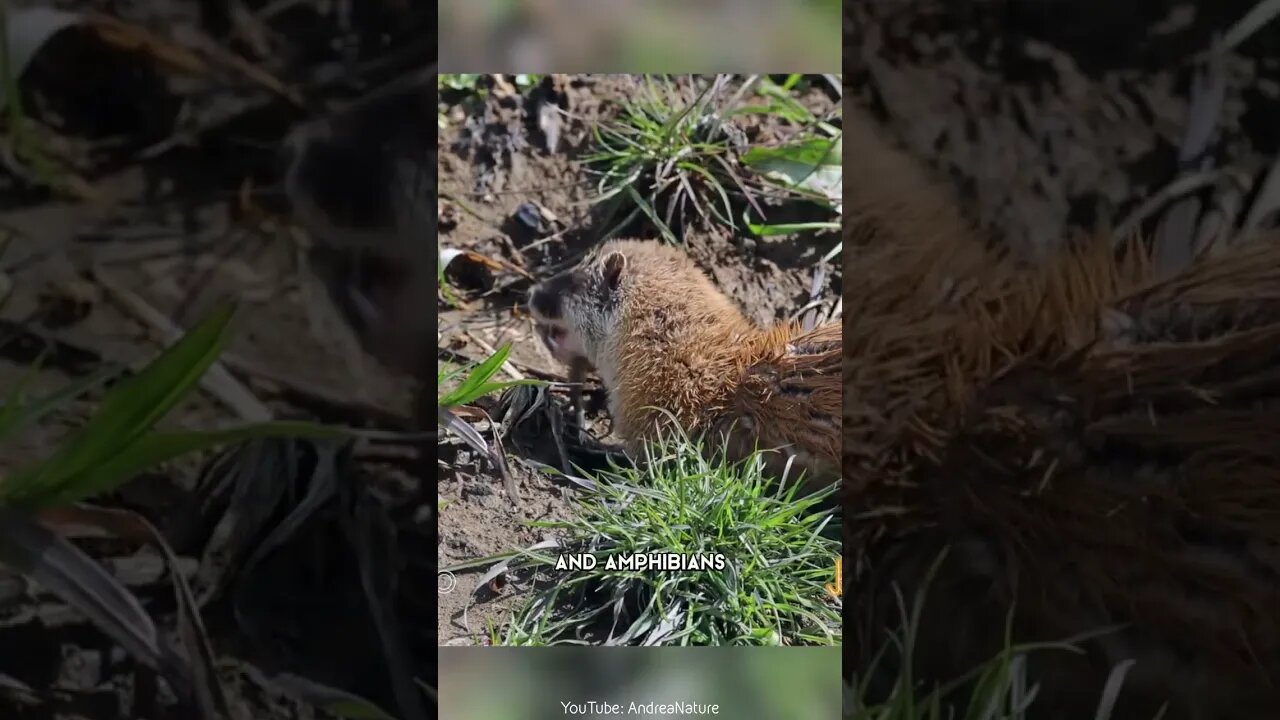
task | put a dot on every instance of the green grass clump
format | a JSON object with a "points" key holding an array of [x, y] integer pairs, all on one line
{"points": [[679, 161], [666, 157], [780, 551], [1000, 689]]}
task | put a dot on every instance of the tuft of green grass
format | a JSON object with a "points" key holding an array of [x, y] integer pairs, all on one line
{"points": [[457, 81], [677, 161], [669, 159], [809, 165], [781, 101], [478, 382], [780, 551]]}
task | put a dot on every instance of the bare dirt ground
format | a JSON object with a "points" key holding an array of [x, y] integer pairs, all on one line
{"points": [[1061, 116], [493, 160], [167, 202]]}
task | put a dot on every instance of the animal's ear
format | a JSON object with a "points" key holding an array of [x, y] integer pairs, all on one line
{"points": [[614, 263]]}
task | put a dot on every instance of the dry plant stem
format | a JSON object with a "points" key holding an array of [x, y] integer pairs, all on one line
{"points": [[1175, 237], [217, 381], [260, 375], [1149, 207], [1267, 203], [507, 366]]}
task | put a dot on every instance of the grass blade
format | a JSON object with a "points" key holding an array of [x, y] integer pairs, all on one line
{"points": [[153, 449], [130, 409], [64, 570], [1259, 15], [128, 525], [790, 228], [14, 416], [812, 165], [477, 384], [468, 434], [1111, 693]]}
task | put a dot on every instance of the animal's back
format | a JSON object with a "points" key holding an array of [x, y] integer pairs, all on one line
{"points": [[790, 395], [1077, 477]]}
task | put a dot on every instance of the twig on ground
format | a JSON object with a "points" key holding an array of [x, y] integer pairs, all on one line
{"points": [[1153, 204], [312, 394], [507, 366], [217, 381], [1176, 235], [1266, 205]]}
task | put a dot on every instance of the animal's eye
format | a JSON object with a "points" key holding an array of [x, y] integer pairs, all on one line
{"points": [[545, 302]]}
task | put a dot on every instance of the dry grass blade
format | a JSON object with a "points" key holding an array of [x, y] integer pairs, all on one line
{"points": [[321, 485], [1111, 693], [324, 486], [64, 570], [126, 524], [1152, 205], [241, 474], [369, 532], [135, 39], [1266, 205], [1176, 235], [216, 380], [1261, 14], [462, 429], [1219, 222], [132, 38]]}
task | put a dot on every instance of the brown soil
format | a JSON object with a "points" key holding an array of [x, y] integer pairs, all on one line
{"points": [[492, 160], [1058, 116]]}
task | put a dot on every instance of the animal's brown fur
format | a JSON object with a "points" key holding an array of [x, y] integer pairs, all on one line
{"points": [[1095, 443], [678, 345]]}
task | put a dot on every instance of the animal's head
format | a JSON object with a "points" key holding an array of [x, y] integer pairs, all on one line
{"points": [[362, 183], [578, 311], [646, 290]]}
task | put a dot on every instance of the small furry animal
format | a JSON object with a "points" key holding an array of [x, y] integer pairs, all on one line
{"points": [[362, 182], [664, 340], [1043, 451]]}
